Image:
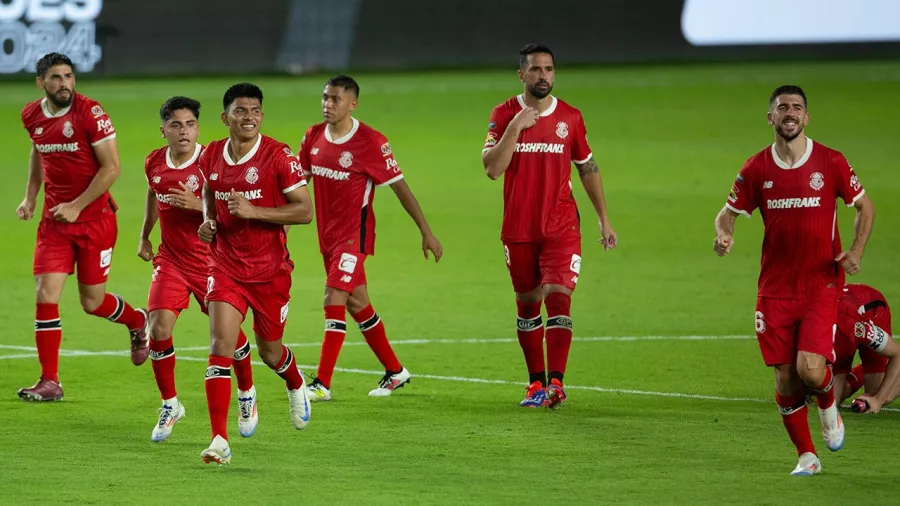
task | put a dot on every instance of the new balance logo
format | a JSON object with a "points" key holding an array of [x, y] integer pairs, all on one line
{"points": [[767, 185], [346, 279], [793, 203], [540, 147]]}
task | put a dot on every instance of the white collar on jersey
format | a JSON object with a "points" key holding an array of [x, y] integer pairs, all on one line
{"points": [[806, 154], [549, 110], [171, 164], [349, 135], [246, 157], [59, 113]]}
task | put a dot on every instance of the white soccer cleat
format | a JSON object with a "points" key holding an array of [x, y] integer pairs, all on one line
{"points": [[218, 452], [248, 415], [832, 427], [169, 415], [808, 465], [317, 392], [299, 406], [390, 382]]}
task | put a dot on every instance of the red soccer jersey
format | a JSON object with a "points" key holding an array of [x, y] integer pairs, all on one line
{"points": [[66, 141], [344, 173], [178, 227], [798, 208], [250, 250], [537, 187], [863, 320]]}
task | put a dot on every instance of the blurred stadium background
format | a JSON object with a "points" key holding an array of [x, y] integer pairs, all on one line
{"points": [[669, 400]]}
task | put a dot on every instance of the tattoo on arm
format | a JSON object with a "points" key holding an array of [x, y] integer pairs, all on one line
{"points": [[587, 167]]}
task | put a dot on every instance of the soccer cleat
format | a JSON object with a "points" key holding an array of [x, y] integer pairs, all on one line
{"points": [[318, 392], [299, 406], [248, 416], [832, 427], [556, 394], [42, 391], [218, 452], [808, 465], [140, 340], [535, 396], [390, 382], [168, 417]]}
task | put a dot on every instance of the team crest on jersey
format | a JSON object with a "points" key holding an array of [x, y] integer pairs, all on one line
{"points": [[252, 175], [193, 183], [346, 159], [156, 180], [562, 130], [68, 131], [816, 181], [97, 111]]}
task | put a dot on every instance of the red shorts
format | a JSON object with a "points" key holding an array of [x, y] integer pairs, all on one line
{"points": [[532, 264], [872, 361], [345, 270], [89, 244], [268, 300], [786, 326], [171, 287]]}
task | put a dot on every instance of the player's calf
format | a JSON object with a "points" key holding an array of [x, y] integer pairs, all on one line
{"points": [[115, 309]]}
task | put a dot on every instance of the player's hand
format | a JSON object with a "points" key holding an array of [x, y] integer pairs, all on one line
{"points": [[145, 250], [526, 118], [184, 198], [431, 243], [723, 244], [608, 237], [25, 210], [239, 206], [67, 212], [207, 231], [874, 404], [849, 261]]}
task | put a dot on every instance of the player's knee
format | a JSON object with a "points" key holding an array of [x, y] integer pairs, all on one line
{"points": [[160, 329], [46, 292], [530, 297], [90, 301], [811, 370], [270, 356], [335, 297]]}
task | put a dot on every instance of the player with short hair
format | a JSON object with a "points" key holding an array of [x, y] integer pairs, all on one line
{"points": [[180, 265], [532, 141], [864, 324], [346, 159], [252, 187], [74, 155], [795, 183]]}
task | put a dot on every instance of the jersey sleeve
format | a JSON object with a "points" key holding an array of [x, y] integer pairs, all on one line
{"points": [[743, 198], [99, 127], [496, 127], [849, 187], [581, 151], [288, 172], [303, 153], [381, 165], [147, 167], [873, 337]]}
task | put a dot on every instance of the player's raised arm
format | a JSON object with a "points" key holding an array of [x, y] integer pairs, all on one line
{"points": [[496, 158], [151, 215], [883, 343], [108, 155], [429, 241], [35, 178]]}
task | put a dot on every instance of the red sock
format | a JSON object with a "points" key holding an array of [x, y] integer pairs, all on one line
{"points": [[218, 394], [115, 309], [559, 333], [335, 331], [855, 380], [530, 330], [795, 419], [825, 392], [162, 358], [243, 369], [47, 337], [287, 369], [373, 330]]}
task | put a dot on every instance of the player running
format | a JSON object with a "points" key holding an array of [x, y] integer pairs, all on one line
{"points": [[346, 159], [180, 265], [532, 140], [74, 155], [253, 187], [795, 183]]}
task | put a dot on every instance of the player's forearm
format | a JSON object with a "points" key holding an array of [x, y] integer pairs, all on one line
{"points": [[151, 215], [292, 213], [209, 204], [887, 391], [593, 186], [101, 184], [865, 218], [409, 202], [496, 160], [35, 175], [725, 222]]}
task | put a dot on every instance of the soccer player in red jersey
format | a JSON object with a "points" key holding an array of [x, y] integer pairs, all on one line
{"points": [[74, 155], [864, 324], [180, 265], [532, 140], [253, 187], [346, 159], [795, 184]]}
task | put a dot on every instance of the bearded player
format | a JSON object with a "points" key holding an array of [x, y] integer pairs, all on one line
{"points": [[795, 184], [74, 155], [532, 141]]}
